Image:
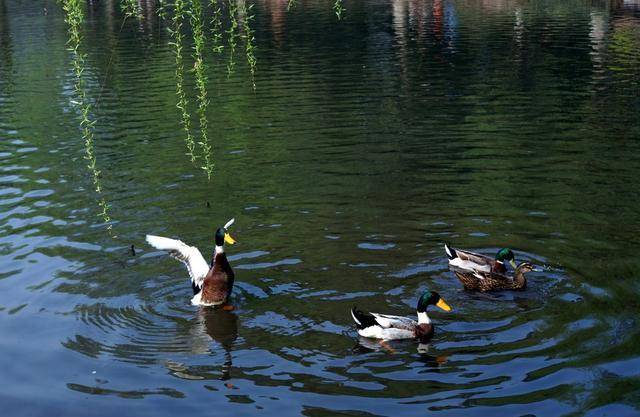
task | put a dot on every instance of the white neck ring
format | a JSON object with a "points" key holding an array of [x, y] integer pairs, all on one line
{"points": [[423, 318]]}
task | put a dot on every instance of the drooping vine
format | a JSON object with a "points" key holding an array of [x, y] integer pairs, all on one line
{"points": [[176, 12], [249, 41], [339, 9], [182, 104], [74, 16], [162, 9], [232, 35], [131, 8], [200, 69], [216, 28]]}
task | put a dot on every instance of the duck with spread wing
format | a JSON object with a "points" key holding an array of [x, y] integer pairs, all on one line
{"points": [[212, 283]]}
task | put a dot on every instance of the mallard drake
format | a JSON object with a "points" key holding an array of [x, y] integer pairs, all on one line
{"points": [[471, 261], [212, 284], [494, 281], [386, 327]]}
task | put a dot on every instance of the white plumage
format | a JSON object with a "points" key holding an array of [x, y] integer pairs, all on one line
{"points": [[390, 327], [390, 333], [188, 255]]}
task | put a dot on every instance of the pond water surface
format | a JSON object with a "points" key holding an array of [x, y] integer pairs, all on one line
{"points": [[366, 144]]}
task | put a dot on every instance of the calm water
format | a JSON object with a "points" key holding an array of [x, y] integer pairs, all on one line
{"points": [[366, 144]]}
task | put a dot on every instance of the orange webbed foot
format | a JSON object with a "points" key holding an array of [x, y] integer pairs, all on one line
{"points": [[442, 359], [386, 346], [228, 307]]}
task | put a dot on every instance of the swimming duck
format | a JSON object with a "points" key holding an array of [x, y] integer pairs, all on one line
{"points": [[494, 281], [386, 327], [471, 261], [212, 284]]}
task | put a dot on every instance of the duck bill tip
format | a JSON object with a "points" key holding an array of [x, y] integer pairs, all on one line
{"points": [[443, 305], [228, 239]]}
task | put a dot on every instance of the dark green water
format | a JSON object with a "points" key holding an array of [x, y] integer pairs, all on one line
{"points": [[367, 143]]}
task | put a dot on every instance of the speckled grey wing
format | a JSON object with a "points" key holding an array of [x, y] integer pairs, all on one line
{"points": [[471, 261], [476, 258], [397, 322], [490, 275]]}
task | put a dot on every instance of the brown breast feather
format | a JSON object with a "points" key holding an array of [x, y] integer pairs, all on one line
{"points": [[218, 283], [424, 331]]}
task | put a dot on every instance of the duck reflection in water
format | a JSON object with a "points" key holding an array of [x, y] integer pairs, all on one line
{"points": [[218, 325], [430, 360], [367, 345]]}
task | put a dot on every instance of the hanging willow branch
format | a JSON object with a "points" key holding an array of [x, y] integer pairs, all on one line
{"points": [[176, 34], [339, 9], [249, 42], [131, 8], [216, 28], [232, 35], [74, 16], [162, 9], [200, 71]]}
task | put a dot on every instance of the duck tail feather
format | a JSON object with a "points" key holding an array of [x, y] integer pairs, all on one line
{"points": [[362, 319], [451, 253], [354, 314]]}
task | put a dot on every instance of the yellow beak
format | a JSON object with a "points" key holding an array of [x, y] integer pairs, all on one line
{"points": [[228, 239], [513, 264], [441, 304]]}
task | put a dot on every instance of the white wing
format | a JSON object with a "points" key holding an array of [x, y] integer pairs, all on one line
{"points": [[229, 223], [188, 255]]}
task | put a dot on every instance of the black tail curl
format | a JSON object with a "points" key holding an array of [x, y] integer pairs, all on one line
{"points": [[451, 253], [362, 319]]}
